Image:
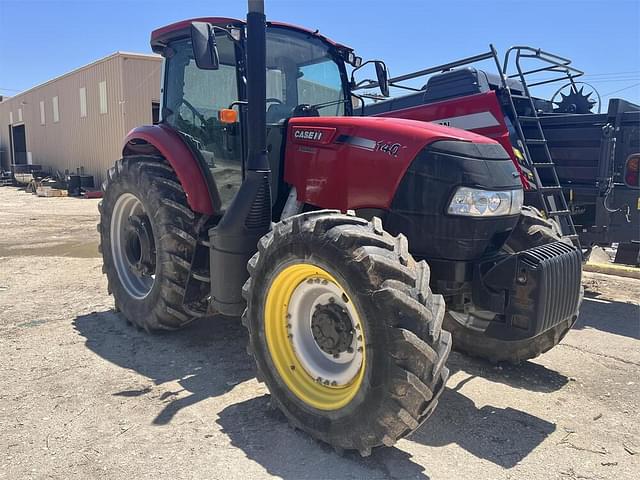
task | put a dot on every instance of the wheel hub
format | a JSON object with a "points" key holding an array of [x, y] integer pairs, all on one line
{"points": [[315, 336], [132, 246], [332, 328], [139, 245]]}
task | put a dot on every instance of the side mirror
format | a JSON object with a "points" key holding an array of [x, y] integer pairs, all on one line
{"points": [[383, 77], [203, 42]]}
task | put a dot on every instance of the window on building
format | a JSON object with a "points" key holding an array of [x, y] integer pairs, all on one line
{"points": [[102, 88], [83, 102], [56, 113], [42, 117], [19, 114], [155, 112]]}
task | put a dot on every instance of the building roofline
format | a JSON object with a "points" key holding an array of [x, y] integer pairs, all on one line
{"points": [[142, 56]]}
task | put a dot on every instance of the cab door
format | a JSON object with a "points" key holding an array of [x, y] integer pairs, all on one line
{"points": [[192, 100]]}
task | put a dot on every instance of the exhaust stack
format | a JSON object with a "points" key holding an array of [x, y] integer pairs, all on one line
{"points": [[235, 239], [257, 87]]}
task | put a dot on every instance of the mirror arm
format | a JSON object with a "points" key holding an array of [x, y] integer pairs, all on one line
{"points": [[404, 87], [366, 83], [228, 34]]}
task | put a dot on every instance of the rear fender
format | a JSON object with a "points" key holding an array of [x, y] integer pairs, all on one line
{"points": [[195, 178]]}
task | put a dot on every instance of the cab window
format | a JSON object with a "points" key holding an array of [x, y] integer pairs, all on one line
{"points": [[303, 77], [192, 100]]}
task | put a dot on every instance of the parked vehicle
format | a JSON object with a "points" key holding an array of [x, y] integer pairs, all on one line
{"points": [[224, 207], [558, 142]]}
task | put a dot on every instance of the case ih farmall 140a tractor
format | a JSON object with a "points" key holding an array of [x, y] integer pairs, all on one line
{"points": [[224, 207]]}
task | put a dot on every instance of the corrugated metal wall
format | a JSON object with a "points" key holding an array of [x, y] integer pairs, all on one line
{"points": [[95, 141], [141, 86]]}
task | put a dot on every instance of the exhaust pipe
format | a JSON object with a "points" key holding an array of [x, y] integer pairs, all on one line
{"points": [[257, 87], [235, 239]]}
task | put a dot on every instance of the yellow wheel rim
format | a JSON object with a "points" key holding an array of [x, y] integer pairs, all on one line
{"points": [[321, 380]]}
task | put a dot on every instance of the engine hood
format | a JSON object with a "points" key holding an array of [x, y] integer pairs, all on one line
{"points": [[358, 162], [414, 133]]}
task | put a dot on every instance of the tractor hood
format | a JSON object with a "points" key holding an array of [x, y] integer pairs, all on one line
{"points": [[371, 154]]}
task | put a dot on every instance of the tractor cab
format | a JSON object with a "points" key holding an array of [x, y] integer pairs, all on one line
{"points": [[305, 77]]}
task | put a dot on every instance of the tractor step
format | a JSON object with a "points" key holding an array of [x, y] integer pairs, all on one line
{"points": [[543, 165], [201, 277], [559, 213]]}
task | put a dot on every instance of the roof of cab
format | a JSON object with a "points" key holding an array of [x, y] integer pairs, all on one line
{"points": [[159, 34]]}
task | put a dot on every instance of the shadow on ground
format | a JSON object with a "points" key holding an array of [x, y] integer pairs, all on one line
{"points": [[524, 376], [262, 434], [503, 436], [207, 359], [610, 316]]}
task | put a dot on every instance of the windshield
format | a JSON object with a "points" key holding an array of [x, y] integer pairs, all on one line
{"points": [[301, 71]]}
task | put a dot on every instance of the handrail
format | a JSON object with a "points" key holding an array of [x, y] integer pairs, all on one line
{"points": [[556, 60], [557, 64]]}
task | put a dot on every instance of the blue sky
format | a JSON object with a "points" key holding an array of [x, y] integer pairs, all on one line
{"points": [[42, 39]]}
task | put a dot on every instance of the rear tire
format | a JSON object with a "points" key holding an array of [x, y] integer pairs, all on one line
{"points": [[402, 370], [532, 230], [149, 180]]}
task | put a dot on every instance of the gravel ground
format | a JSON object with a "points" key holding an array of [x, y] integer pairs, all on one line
{"points": [[84, 395]]}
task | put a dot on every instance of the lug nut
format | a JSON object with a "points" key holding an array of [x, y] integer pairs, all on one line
{"points": [[324, 282], [359, 338], [359, 349], [349, 350], [332, 300], [334, 383], [336, 355]]}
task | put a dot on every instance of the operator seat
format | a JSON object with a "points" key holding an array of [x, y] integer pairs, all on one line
{"points": [[277, 112]]}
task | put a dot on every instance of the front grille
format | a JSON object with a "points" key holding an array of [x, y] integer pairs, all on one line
{"points": [[556, 271]]}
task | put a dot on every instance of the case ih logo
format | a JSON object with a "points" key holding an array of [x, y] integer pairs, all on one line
{"points": [[313, 135]]}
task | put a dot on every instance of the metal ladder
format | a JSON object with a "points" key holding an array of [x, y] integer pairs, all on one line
{"points": [[534, 147]]}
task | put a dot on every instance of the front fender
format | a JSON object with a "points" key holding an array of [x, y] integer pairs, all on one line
{"points": [[201, 196]]}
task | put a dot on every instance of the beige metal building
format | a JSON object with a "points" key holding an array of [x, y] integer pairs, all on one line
{"points": [[80, 119]]}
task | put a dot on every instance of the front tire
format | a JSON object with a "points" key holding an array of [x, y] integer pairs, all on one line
{"points": [[147, 239], [344, 330], [532, 230]]}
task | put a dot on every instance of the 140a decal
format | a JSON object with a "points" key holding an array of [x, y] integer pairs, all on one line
{"points": [[388, 147]]}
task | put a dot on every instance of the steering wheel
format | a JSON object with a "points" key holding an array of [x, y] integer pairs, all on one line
{"points": [[195, 112], [274, 100]]}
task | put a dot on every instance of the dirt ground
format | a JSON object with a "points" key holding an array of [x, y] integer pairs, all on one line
{"points": [[84, 395]]}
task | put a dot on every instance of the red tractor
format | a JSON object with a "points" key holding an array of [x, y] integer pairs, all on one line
{"points": [[234, 204]]}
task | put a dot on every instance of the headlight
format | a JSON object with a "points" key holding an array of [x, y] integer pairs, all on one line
{"points": [[473, 202]]}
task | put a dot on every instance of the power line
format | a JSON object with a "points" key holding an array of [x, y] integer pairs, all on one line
{"points": [[622, 89]]}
